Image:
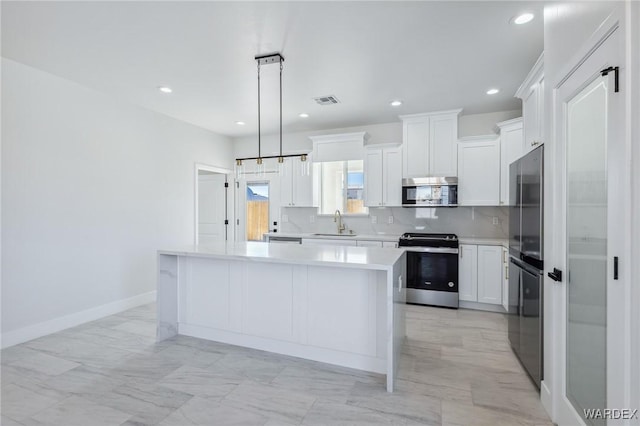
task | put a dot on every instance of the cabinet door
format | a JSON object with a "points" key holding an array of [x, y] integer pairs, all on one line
{"points": [[511, 138], [479, 173], [468, 273], [363, 243], [392, 176], [415, 137], [373, 177], [490, 268], [505, 279], [302, 186], [532, 112], [443, 151]]}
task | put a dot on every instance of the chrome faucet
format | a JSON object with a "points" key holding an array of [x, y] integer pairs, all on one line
{"points": [[337, 218]]}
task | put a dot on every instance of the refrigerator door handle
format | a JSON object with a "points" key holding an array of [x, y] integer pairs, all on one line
{"points": [[556, 275]]}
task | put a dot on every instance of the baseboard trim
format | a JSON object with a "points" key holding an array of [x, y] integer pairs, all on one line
{"points": [[545, 398], [31, 332], [481, 306]]}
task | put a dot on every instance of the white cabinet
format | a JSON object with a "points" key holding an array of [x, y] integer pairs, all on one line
{"points": [[511, 140], [490, 274], [468, 273], [479, 171], [429, 144], [532, 94], [505, 279], [297, 190], [383, 176], [329, 242], [480, 273], [367, 243], [389, 244]]}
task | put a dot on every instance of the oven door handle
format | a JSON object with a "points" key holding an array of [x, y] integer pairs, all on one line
{"points": [[446, 250]]}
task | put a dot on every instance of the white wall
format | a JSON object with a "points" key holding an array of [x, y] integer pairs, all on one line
{"points": [[469, 125], [91, 188]]}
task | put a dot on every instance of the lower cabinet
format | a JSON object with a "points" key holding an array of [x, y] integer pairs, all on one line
{"points": [[481, 270], [505, 279], [367, 243]]}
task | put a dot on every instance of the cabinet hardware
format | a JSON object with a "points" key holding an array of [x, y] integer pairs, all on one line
{"points": [[616, 70], [506, 272], [615, 267], [556, 275]]}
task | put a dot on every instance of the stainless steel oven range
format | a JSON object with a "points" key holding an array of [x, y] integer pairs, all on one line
{"points": [[432, 268]]}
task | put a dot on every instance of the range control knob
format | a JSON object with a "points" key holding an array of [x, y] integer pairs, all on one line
{"points": [[451, 284]]}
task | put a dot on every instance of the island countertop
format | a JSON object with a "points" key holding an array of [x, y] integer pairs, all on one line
{"points": [[342, 256]]}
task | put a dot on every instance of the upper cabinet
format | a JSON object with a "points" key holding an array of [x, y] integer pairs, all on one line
{"points": [[532, 94], [511, 140], [296, 188], [383, 176], [429, 144], [479, 171]]}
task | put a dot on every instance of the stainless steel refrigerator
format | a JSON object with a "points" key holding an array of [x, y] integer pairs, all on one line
{"points": [[526, 261]]}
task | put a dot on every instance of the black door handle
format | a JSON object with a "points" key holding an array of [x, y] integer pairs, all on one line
{"points": [[556, 275]]}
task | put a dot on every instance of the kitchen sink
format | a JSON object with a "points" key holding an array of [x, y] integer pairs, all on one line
{"points": [[334, 235]]}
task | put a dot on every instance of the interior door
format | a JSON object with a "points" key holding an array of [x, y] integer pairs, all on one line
{"points": [[592, 317], [212, 207]]}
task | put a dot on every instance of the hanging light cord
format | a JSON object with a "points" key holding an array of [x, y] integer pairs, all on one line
{"points": [[259, 141], [281, 108]]}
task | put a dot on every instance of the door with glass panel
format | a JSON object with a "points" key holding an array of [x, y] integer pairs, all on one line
{"points": [[594, 234]]}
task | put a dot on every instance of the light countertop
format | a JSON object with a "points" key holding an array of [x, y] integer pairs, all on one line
{"points": [[485, 241], [340, 256], [360, 237]]}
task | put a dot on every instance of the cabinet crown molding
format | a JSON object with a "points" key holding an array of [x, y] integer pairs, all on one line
{"points": [[429, 114], [530, 80], [507, 124]]}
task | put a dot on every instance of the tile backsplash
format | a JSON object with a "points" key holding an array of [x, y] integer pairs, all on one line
{"points": [[463, 221]]}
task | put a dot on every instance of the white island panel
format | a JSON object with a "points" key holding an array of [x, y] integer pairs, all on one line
{"points": [[327, 305]]}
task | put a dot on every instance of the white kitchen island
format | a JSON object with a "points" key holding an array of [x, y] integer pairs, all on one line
{"points": [[339, 305]]}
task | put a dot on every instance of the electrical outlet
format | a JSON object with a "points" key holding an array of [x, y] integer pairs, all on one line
{"points": [[390, 220], [285, 218], [496, 221], [312, 218], [374, 219]]}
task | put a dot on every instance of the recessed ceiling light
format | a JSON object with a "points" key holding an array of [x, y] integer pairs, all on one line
{"points": [[165, 89], [396, 103], [240, 123], [492, 91], [523, 19], [303, 115]]}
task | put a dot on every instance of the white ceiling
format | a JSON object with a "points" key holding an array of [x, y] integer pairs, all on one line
{"points": [[432, 55]]}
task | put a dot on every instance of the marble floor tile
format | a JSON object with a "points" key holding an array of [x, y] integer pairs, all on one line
{"points": [[414, 407], [275, 403], [260, 366], [323, 385], [456, 368], [202, 411], [45, 364], [148, 403], [325, 413], [458, 414], [202, 382], [78, 411], [19, 403]]}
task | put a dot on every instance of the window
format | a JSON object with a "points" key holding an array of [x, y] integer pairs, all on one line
{"points": [[257, 210], [342, 187]]}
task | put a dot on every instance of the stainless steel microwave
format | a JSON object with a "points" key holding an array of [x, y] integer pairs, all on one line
{"points": [[430, 191]]}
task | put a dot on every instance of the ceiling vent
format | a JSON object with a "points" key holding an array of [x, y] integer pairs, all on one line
{"points": [[327, 100]]}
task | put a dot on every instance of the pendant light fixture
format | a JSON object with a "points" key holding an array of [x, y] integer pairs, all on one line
{"points": [[271, 58]]}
